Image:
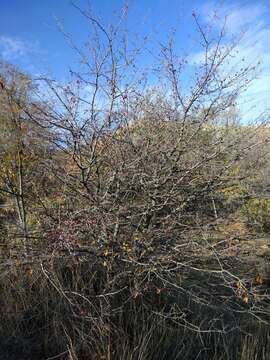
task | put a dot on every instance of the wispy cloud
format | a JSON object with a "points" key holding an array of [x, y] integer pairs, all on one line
{"points": [[13, 48], [28, 55], [238, 16], [254, 21]]}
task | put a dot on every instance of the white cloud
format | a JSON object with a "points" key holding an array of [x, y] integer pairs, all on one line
{"points": [[254, 21], [238, 16], [13, 48]]}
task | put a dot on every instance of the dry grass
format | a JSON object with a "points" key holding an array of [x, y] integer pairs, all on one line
{"points": [[53, 312]]}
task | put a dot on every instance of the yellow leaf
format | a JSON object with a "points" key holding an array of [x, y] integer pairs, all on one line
{"points": [[239, 285], [258, 280]]}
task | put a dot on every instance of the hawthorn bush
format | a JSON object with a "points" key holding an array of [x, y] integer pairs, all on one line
{"points": [[113, 180]]}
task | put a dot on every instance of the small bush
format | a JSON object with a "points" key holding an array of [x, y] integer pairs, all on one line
{"points": [[257, 212]]}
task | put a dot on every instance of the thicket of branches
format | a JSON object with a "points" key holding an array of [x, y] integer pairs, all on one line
{"points": [[109, 185]]}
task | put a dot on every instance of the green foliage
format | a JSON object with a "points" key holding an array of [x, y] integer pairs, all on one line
{"points": [[234, 194], [257, 212]]}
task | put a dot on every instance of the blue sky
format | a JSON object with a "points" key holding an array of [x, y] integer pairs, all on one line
{"points": [[29, 37]]}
